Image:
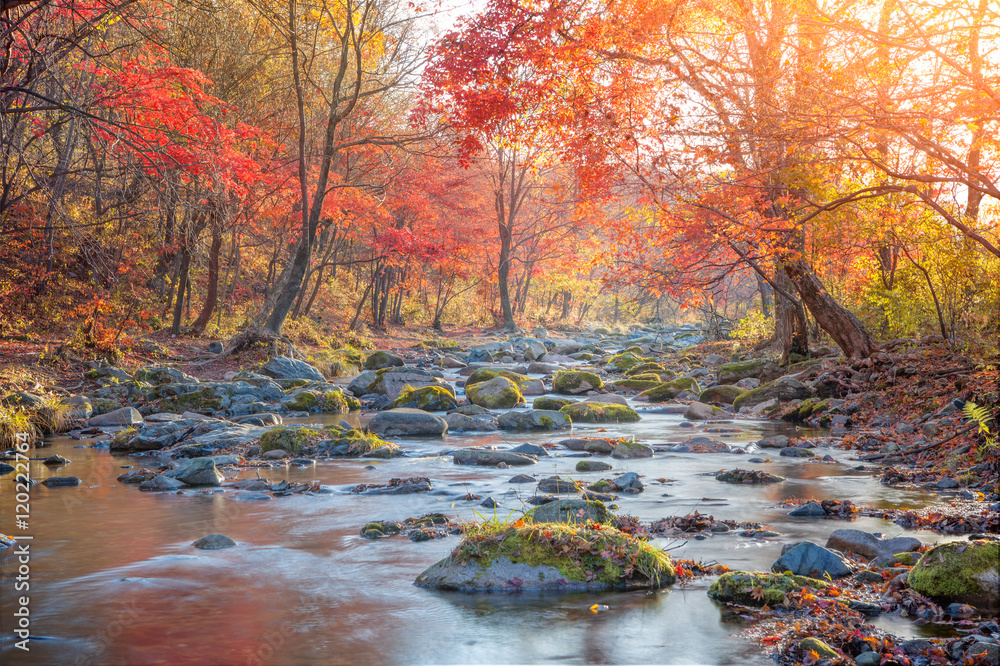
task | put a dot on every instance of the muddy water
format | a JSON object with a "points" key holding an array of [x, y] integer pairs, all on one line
{"points": [[114, 579]]}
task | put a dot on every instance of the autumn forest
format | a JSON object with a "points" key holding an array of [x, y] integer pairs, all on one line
{"points": [[792, 169]]}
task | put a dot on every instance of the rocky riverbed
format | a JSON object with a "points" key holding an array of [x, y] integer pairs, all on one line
{"points": [[325, 501]]}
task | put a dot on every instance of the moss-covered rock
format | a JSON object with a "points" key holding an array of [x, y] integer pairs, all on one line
{"points": [[635, 384], [755, 588], [807, 409], [202, 402], [287, 438], [672, 389], [351, 442], [549, 556], [572, 511], [647, 367], [427, 398], [382, 359], [782, 391], [824, 651], [327, 402], [485, 374], [575, 382], [723, 394], [600, 412], [762, 369], [964, 572], [496, 393], [550, 403], [748, 476], [625, 361]]}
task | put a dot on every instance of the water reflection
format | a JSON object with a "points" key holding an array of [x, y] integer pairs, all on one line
{"points": [[114, 579]]}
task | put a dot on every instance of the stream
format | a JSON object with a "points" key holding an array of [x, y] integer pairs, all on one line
{"points": [[114, 579]]}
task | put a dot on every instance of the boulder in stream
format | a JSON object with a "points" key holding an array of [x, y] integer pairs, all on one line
{"points": [[509, 558], [963, 572], [407, 422], [808, 559], [532, 419]]}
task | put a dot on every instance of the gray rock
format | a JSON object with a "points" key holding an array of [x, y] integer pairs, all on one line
{"points": [[462, 423], [590, 445], [531, 450], [808, 559], [282, 367], [700, 411], [773, 442], [160, 482], [274, 454], [214, 542], [608, 399], [57, 481], [500, 574], [489, 457], [521, 478], [628, 483], [868, 659], [125, 416], [489, 503], [538, 368], [407, 422], [363, 384], [215, 347], [200, 472], [79, 407], [160, 375], [56, 460], [782, 391], [868, 545], [557, 484], [250, 496], [532, 419], [946, 483], [808, 510]]}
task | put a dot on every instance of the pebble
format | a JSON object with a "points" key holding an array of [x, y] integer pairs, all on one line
{"points": [[214, 542]]}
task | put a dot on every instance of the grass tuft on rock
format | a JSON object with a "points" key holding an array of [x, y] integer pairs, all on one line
{"points": [[581, 553], [287, 438], [15, 420]]}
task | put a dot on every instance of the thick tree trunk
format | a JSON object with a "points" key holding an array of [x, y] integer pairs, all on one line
{"points": [[790, 321], [846, 330], [213, 283]]}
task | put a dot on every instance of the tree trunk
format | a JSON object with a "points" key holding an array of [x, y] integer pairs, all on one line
{"points": [[213, 283], [182, 281], [503, 276], [846, 330]]}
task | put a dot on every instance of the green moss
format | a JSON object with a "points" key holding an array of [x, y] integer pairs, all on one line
{"points": [[724, 393], [509, 396], [635, 384], [755, 588], [287, 438], [626, 361], [634, 349], [959, 571], [360, 443], [745, 368], [661, 393], [337, 402], [600, 412], [813, 644], [428, 398], [648, 367], [119, 441], [686, 384], [378, 359], [908, 559], [381, 528], [550, 403], [304, 402], [601, 486], [572, 382], [196, 401], [581, 553]]}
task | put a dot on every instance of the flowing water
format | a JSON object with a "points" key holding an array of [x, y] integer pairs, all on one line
{"points": [[114, 579]]}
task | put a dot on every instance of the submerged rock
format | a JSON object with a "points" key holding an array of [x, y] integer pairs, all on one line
{"points": [[414, 484], [491, 457], [214, 542]]}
